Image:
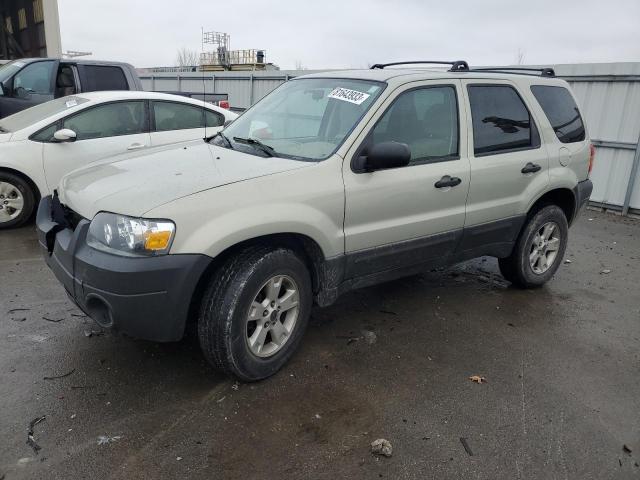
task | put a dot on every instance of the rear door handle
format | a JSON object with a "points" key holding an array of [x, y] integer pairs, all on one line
{"points": [[447, 181], [136, 146], [531, 168]]}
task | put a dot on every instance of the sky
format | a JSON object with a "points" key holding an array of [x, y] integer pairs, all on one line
{"points": [[325, 34]]}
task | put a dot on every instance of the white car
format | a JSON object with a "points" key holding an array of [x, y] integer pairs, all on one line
{"points": [[41, 144]]}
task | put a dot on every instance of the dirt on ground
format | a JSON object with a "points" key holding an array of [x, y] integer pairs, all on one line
{"points": [[557, 394]]}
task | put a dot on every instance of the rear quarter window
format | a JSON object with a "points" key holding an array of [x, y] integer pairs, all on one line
{"points": [[100, 77], [561, 111]]}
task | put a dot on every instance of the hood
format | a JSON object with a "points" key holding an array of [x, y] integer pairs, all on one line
{"points": [[137, 182], [5, 137]]}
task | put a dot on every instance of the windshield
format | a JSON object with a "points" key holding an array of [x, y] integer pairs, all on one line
{"points": [[28, 117], [306, 119]]}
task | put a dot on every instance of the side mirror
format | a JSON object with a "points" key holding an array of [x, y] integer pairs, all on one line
{"points": [[65, 135], [383, 156]]}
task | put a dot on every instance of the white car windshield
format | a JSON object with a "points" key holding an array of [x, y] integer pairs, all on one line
{"points": [[28, 117], [305, 119]]}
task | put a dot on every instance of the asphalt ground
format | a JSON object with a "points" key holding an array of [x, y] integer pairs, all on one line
{"points": [[560, 401]]}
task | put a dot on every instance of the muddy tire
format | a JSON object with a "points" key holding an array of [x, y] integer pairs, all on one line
{"points": [[539, 249], [17, 201], [255, 312]]}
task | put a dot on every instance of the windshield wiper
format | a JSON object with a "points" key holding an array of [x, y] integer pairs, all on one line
{"points": [[254, 142], [222, 136]]}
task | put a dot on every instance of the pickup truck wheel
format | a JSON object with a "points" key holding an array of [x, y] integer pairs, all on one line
{"points": [[539, 249], [254, 312], [17, 200]]}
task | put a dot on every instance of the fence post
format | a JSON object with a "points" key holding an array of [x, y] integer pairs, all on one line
{"points": [[251, 90], [179, 83], [632, 179]]}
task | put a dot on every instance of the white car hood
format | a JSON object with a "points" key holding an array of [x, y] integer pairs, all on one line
{"points": [[138, 182], [5, 137]]}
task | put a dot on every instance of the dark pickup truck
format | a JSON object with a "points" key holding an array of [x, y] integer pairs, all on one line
{"points": [[30, 81]]}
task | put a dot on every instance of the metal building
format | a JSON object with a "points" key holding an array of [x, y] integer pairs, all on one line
{"points": [[608, 94], [29, 28]]}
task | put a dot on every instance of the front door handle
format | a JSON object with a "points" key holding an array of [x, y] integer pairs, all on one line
{"points": [[136, 146], [447, 181], [531, 168]]}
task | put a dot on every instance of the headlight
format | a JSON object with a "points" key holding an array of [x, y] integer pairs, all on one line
{"points": [[135, 237]]}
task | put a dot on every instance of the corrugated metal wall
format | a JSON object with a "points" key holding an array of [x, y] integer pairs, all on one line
{"points": [[609, 97], [608, 94]]}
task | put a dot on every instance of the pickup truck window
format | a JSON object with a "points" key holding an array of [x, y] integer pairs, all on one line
{"points": [[34, 79], [306, 119], [102, 77], [501, 120], [426, 119], [109, 120]]}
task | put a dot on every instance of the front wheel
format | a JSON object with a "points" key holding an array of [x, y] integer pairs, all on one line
{"points": [[539, 249], [255, 312], [17, 200]]}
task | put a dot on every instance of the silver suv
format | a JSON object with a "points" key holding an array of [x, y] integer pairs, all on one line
{"points": [[332, 182]]}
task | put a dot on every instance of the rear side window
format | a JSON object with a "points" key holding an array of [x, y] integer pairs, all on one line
{"points": [[561, 111], [501, 121], [101, 77], [177, 116], [214, 119]]}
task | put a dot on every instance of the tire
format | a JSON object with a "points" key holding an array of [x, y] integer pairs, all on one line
{"points": [[230, 326], [17, 200], [529, 265]]}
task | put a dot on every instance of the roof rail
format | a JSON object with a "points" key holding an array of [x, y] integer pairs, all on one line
{"points": [[543, 72], [457, 66]]}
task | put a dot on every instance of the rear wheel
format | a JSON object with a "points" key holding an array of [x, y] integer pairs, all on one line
{"points": [[539, 250], [255, 312], [17, 200]]}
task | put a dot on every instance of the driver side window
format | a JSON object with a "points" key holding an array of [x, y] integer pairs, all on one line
{"points": [[426, 119], [34, 79]]}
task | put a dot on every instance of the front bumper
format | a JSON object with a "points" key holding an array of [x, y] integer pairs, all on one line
{"points": [[146, 298]]}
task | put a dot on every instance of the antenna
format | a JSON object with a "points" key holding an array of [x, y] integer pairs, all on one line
{"points": [[204, 85]]}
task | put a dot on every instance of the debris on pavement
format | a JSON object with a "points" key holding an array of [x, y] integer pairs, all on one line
{"points": [[30, 440], [381, 447], [388, 312], [477, 379], [626, 448], [605, 271], [178, 458], [14, 310], [93, 333], [21, 319], [370, 336], [55, 377], [235, 386], [54, 320], [567, 260], [104, 439], [466, 446]]}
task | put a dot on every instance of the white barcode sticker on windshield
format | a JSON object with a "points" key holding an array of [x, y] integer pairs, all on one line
{"points": [[346, 95], [71, 103]]}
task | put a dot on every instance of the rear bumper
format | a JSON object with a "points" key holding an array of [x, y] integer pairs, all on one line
{"points": [[582, 192], [146, 298]]}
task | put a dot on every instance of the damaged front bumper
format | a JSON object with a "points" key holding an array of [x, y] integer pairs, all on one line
{"points": [[147, 297]]}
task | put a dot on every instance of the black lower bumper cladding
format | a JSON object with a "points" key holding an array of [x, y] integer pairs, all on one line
{"points": [[144, 297]]}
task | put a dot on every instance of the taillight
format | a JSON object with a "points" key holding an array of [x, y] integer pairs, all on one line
{"points": [[592, 156], [224, 104]]}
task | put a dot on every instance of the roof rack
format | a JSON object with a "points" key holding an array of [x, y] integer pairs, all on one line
{"points": [[543, 72], [457, 66]]}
